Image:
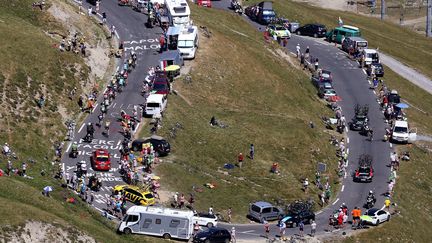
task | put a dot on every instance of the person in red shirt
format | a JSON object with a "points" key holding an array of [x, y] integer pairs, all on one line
{"points": [[162, 43], [240, 160]]}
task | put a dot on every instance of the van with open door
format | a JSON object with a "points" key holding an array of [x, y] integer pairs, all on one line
{"points": [[402, 133]]}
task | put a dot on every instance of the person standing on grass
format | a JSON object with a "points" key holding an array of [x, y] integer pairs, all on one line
{"points": [[90, 11], [229, 213], [301, 228], [9, 167], [240, 159], [313, 228], [24, 168], [387, 204], [298, 50], [210, 210], [252, 151]]}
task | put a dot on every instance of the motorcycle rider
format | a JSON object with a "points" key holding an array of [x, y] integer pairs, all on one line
{"points": [[90, 130], [371, 197], [74, 150]]}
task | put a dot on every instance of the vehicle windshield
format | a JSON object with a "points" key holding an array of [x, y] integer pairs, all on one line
{"points": [[159, 86], [269, 13], [185, 44], [325, 75], [371, 212], [330, 91], [102, 158], [364, 170], [280, 28], [362, 44], [148, 196], [401, 129], [183, 19], [155, 105]]}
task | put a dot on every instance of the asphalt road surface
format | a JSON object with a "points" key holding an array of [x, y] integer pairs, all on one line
{"points": [[131, 29], [349, 81]]}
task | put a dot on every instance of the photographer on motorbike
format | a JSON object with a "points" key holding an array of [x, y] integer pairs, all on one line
{"points": [[371, 199], [74, 150], [90, 131]]}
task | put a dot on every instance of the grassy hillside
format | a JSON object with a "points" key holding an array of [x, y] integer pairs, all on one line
{"points": [[266, 101], [405, 45]]}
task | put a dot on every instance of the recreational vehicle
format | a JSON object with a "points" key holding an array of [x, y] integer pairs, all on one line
{"points": [[178, 12]]}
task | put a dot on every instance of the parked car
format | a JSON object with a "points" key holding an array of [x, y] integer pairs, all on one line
{"points": [[323, 76], [376, 216], [204, 3], [354, 44], [161, 146], [101, 160], [393, 97], [325, 92], [135, 195], [205, 219], [402, 133], [213, 234], [315, 30], [370, 56], [279, 31], [161, 86], [293, 219], [261, 211], [379, 69]]}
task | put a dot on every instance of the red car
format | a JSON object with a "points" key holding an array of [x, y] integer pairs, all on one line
{"points": [[204, 3], [161, 86], [101, 160]]}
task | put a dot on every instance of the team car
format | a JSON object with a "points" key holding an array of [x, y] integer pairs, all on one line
{"points": [[101, 160], [135, 195], [375, 216], [205, 219], [279, 31]]}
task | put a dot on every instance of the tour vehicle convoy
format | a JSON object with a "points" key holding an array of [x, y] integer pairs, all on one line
{"points": [[338, 33], [155, 104], [158, 221], [188, 41], [178, 12]]}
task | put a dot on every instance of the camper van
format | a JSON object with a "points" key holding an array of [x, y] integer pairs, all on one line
{"points": [[188, 42], [158, 221], [339, 33], [155, 104], [178, 12]]}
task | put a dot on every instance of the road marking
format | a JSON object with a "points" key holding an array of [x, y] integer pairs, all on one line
{"points": [[369, 82], [391, 145], [100, 15], [364, 71], [336, 201], [383, 207], [346, 129], [248, 233], [374, 92], [115, 31], [345, 176], [95, 107], [347, 151], [81, 128], [105, 90], [318, 212], [343, 187], [67, 150], [347, 139]]}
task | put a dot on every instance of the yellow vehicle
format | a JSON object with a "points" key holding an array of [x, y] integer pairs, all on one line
{"points": [[135, 195]]}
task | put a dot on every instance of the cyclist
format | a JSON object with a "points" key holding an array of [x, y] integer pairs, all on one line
{"points": [[107, 125]]}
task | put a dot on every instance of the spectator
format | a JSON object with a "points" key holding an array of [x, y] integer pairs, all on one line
{"points": [[266, 228], [301, 228], [240, 159], [229, 213], [252, 151], [387, 204], [210, 210], [282, 227], [104, 16], [24, 169], [316, 64], [233, 235], [90, 11], [313, 228]]}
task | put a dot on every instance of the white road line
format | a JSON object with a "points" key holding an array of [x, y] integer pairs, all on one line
{"points": [[336, 201], [345, 176], [105, 90], [383, 207], [346, 129], [100, 15], [67, 150], [318, 212], [374, 92], [391, 145], [369, 82], [364, 71], [347, 139], [136, 128], [95, 107], [81, 128], [347, 151], [343, 187], [115, 31], [249, 231]]}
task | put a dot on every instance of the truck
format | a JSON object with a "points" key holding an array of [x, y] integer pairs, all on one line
{"points": [[158, 221]]}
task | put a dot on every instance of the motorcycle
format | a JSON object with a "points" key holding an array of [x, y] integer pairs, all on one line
{"points": [[73, 153], [88, 138], [151, 20], [370, 202], [235, 5]]}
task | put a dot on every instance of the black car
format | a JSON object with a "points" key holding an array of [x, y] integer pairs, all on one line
{"points": [[365, 172], [294, 218], [213, 235], [379, 70], [160, 145], [358, 122], [315, 30]]}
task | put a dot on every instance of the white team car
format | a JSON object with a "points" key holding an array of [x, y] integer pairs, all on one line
{"points": [[205, 219]]}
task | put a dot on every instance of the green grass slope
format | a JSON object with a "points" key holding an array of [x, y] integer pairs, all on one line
{"points": [[265, 101]]}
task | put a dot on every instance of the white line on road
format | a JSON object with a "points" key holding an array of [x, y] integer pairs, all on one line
{"points": [[374, 92], [105, 90], [347, 139], [364, 71], [81, 128], [369, 82], [67, 150], [115, 31], [346, 129], [383, 207], [345, 176], [95, 107], [343, 187], [336, 201], [318, 212], [391, 145], [100, 15], [347, 150], [250, 233]]}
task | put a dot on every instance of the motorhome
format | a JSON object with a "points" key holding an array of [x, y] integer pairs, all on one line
{"points": [[188, 41], [158, 221], [178, 12]]}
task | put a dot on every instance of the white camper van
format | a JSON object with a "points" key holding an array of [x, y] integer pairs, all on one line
{"points": [[155, 104], [158, 221], [188, 42], [178, 12]]}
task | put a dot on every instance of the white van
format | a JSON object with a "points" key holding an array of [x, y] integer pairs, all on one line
{"points": [[155, 104], [158, 221], [371, 56], [178, 12], [401, 132], [188, 42]]}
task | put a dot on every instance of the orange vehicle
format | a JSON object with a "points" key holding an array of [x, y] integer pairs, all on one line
{"points": [[204, 3]]}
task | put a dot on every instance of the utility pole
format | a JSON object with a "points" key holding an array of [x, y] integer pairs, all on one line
{"points": [[382, 9], [429, 19]]}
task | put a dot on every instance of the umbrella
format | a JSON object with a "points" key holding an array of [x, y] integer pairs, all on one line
{"points": [[172, 68], [48, 189], [402, 105], [155, 177]]}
